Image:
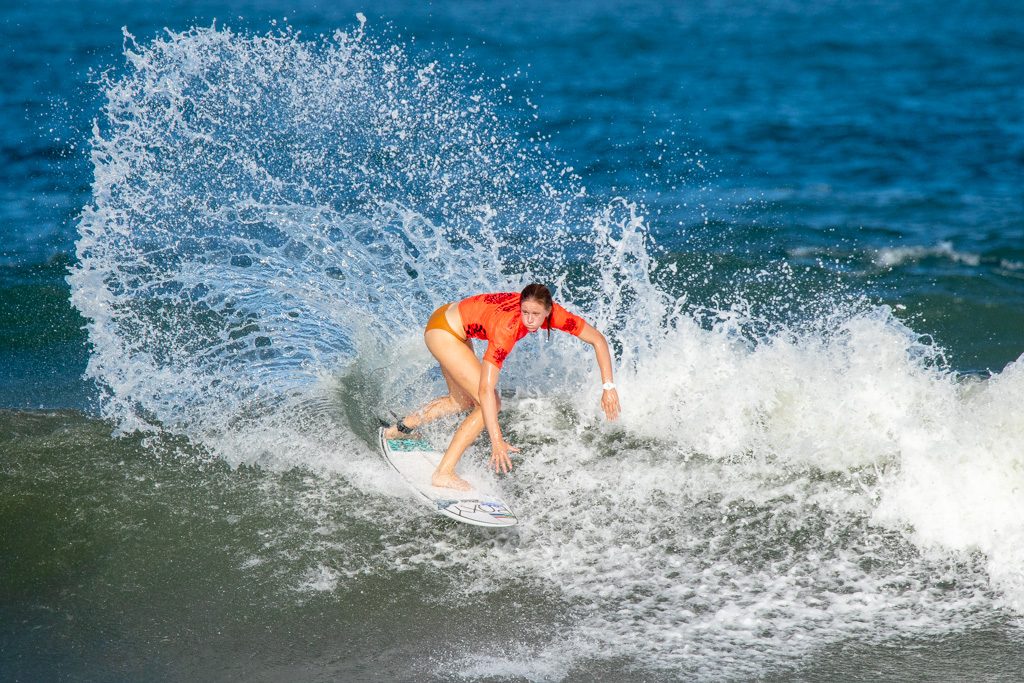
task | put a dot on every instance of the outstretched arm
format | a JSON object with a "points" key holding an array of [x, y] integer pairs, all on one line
{"points": [[610, 397], [489, 406]]}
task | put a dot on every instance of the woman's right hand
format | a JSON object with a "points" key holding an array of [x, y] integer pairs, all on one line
{"points": [[610, 403], [500, 459]]}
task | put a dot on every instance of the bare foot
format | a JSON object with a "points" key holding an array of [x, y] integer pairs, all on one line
{"points": [[393, 432], [450, 481]]}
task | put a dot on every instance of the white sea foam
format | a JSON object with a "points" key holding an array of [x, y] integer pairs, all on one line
{"points": [[895, 256], [525, 666], [320, 579], [762, 500], [273, 219], [961, 479]]}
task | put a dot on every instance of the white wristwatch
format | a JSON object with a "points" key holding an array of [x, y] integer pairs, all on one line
{"points": [[608, 386]]}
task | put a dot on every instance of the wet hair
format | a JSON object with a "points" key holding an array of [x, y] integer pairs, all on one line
{"points": [[542, 295]]}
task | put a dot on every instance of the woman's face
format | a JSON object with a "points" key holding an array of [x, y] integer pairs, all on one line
{"points": [[533, 313]]}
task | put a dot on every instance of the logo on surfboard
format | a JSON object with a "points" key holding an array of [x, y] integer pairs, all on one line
{"points": [[469, 507]]}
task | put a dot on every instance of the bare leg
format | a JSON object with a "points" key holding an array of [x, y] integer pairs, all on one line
{"points": [[465, 435], [436, 409], [461, 370], [457, 400]]}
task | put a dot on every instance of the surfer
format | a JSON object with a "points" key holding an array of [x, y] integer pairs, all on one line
{"points": [[500, 319]]}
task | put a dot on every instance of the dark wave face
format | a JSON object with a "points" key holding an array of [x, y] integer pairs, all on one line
{"points": [[800, 229]]}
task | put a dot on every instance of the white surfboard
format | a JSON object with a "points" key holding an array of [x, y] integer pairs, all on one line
{"points": [[416, 461]]}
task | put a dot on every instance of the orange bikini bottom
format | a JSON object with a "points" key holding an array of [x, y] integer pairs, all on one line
{"points": [[439, 321]]}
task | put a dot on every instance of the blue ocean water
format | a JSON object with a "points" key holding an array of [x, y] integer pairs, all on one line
{"points": [[801, 225]]}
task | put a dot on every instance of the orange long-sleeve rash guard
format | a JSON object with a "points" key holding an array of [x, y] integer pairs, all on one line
{"points": [[495, 318]]}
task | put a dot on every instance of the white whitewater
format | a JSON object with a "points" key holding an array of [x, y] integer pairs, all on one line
{"points": [[274, 218]]}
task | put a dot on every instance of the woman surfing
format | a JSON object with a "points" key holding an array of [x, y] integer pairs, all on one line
{"points": [[500, 319]]}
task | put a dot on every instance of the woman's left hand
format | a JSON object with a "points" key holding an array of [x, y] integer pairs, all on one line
{"points": [[610, 403]]}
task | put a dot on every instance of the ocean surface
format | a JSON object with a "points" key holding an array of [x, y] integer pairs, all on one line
{"points": [[801, 226]]}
